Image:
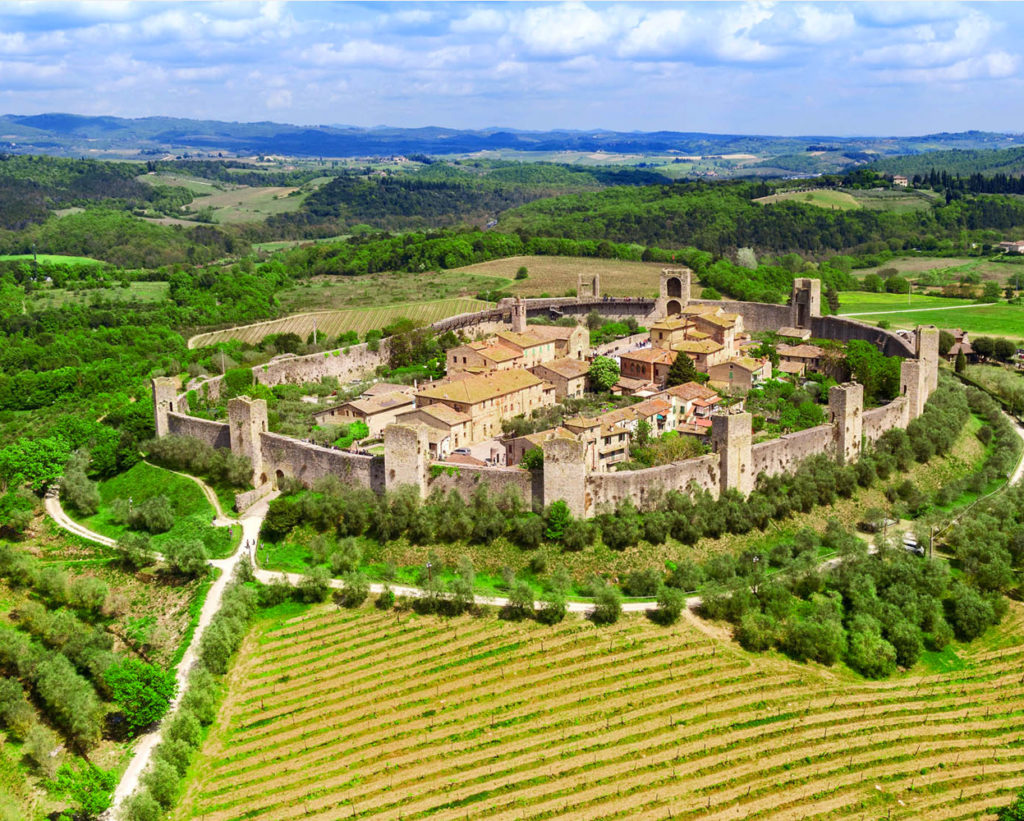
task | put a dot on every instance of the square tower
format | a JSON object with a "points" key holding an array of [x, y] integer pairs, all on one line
{"points": [[846, 411], [247, 422], [732, 437], [805, 302], [674, 294]]}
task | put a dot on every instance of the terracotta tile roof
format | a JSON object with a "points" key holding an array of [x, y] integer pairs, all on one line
{"points": [[744, 363], [386, 387], [526, 340], [690, 391], [655, 355], [374, 404], [582, 422], [798, 333], [475, 389], [800, 351], [542, 436], [672, 323], [698, 346], [791, 367], [721, 320], [567, 367], [442, 413], [465, 459]]}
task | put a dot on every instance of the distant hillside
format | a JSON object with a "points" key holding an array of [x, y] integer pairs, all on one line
{"points": [[1009, 161], [73, 135]]}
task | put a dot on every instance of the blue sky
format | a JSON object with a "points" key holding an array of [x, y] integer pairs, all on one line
{"points": [[782, 68]]}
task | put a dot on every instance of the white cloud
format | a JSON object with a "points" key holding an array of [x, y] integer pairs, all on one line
{"points": [[480, 21], [563, 30], [993, 66], [926, 45], [278, 99], [659, 33], [365, 53]]}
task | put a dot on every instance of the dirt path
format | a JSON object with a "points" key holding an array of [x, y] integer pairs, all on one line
{"points": [[56, 512]]}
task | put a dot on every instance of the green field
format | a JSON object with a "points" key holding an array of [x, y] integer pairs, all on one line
{"points": [[1000, 319], [857, 302], [334, 323], [824, 198], [51, 259], [135, 292], [556, 276], [361, 714]]}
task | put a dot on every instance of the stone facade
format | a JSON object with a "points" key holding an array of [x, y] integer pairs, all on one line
{"points": [[674, 292], [805, 302], [846, 412], [731, 436], [215, 434], [247, 422], [165, 401], [565, 474], [406, 456]]}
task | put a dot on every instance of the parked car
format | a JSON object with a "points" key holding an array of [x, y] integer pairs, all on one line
{"points": [[876, 526], [464, 451], [910, 544]]}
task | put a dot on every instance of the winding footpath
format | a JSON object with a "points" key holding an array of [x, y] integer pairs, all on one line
{"points": [[251, 522]]}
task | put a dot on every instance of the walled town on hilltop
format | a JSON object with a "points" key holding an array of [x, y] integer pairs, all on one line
{"points": [[695, 374]]}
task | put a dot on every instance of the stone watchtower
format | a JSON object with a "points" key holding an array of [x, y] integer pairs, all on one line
{"points": [[731, 437], [247, 422], [406, 457], [518, 316], [565, 474], [588, 289], [165, 400], [919, 377], [674, 294], [846, 412], [805, 302]]}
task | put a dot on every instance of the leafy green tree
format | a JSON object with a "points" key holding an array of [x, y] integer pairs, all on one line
{"points": [[556, 519], [522, 272], [946, 342], [671, 602], [533, 459], [39, 462], [607, 605], [141, 806], [161, 779], [187, 556], [89, 788], [682, 371], [520, 601], [961, 362], [142, 691], [315, 585], [604, 372]]}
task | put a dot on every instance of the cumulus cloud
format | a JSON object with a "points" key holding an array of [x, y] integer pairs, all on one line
{"points": [[710, 66]]}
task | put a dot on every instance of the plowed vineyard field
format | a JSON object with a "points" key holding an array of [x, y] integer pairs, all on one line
{"points": [[334, 323], [338, 714]]}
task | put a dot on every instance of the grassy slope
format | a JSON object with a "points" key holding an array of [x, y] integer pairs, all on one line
{"points": [[193, 513], [334, 714], [825, 199], [1001, 319], [52, 259], [854, 302]]}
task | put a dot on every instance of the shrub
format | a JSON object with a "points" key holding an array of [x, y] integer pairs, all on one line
{"points": [[315, 585], [643, 582], [386, 599], [185, 727], [40, 744], [552, 607], [142, 691], [671, 602], [141, 806], [520, 601], [607, 605], [161, 779], [355, 591]]}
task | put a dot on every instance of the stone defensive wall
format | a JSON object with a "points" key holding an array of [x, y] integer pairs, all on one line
{"points": [[215, 434], [734, 463], [467, 478]]}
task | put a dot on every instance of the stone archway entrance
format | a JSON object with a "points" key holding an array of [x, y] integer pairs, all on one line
{"points": [[674, 287], [673, 307]]}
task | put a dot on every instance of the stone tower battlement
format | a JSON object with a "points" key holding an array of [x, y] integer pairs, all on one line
{"points": [[731, 437], [846, 413], [805, 302], [675, 291]]}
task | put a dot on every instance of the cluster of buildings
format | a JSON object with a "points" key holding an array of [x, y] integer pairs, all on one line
{"points": [[511, 373], [517, 371]]}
